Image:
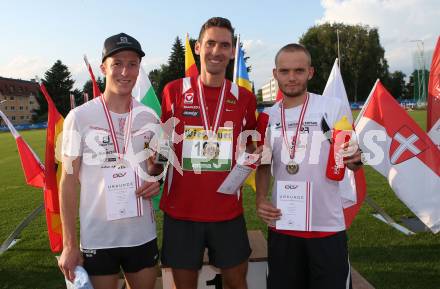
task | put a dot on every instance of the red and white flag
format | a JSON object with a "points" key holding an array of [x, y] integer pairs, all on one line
{"points": [[400, 150], [96, 90], [33, 169], [72, 101], [353, 187], [433, 123]]}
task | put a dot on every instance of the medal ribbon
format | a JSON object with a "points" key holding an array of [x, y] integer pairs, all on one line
{"points": [[211, 130], [127, 128], [292, 148]]}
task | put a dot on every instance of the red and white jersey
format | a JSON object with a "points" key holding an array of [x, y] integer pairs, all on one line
{"points": [[193, 195], [311, 154]]}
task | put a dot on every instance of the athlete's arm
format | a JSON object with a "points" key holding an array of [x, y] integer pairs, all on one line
{"points": [[71, 255], [265, 209], [251, 120]]}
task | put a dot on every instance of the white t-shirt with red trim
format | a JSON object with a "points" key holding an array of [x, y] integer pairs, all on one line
{"points": [[311, 155], [86, 134]]}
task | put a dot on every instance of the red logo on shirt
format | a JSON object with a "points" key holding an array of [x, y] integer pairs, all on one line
{"points": [[188, 98]]}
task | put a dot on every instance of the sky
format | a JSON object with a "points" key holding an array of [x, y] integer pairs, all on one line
{"points": [[34, 34]]}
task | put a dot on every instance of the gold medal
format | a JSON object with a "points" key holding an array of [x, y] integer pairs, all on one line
{"points": [[292, 168]]}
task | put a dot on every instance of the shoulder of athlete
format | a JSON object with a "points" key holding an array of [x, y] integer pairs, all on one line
{"points": [[246, 95], [173, 87], [84, 112]]}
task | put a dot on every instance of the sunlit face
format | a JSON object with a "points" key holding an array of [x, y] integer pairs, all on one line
{"points": [[215, 50], [292, 72], [121, 71]]}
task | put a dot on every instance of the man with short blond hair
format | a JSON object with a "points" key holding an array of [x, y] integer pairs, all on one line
{"points": [[101, 138]]}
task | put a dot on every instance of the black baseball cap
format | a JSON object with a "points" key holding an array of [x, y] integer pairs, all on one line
{"points": [[120, 42]]}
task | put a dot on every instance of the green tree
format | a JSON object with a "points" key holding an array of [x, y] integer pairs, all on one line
{"points": [[174, 69], [59, 84], [176, 61], [396, 84], [362, 57], [414, 87], [259, 96]]}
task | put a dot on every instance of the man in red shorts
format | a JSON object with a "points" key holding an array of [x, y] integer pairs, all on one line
{"points": [[211, 113]]}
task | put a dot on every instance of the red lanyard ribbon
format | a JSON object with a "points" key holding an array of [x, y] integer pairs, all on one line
{"points": [[211, 130], [127, 128], [292, 148]]}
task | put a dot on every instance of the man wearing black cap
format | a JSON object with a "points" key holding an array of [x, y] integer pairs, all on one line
{"points": [[103, 151]]}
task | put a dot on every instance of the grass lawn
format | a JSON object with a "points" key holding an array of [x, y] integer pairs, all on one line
{"points": [[386, 257]]}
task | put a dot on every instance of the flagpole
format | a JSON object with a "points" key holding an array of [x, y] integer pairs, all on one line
{"points": [[366, 103], [339, 52], [86, 61], [237, 49], [11, 240], [72, 101]]}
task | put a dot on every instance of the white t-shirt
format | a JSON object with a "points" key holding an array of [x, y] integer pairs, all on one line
{"points": [[86, 134], [311, 155]]}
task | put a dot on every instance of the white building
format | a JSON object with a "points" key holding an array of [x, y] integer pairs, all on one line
{"points": [[270, 90]]}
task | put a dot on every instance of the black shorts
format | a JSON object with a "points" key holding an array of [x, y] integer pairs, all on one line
{"points": [[184, 243], [130, 259], [303, 263]]}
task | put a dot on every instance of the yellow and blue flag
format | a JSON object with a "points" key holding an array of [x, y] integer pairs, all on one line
{"points": [[241, 77], [242, 74]]}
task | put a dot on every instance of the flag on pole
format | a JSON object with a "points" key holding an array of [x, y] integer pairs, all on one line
{"points": [[353, 186], [86, 97], [33, 169], [144, 92], [402, 152], [72, 101], [190, 63], [53, 169], [433, 123], [96, 90], [241, 78]]}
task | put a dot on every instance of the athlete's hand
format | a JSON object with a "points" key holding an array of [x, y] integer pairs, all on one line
{"points": [[267, 212], [352, 155], [258, 151], [153, 168], [69, 259], [148, 189]]}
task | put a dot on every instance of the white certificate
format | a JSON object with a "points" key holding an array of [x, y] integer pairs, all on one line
{"points": [[294, 199], [240, 172], [121, 200]]}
